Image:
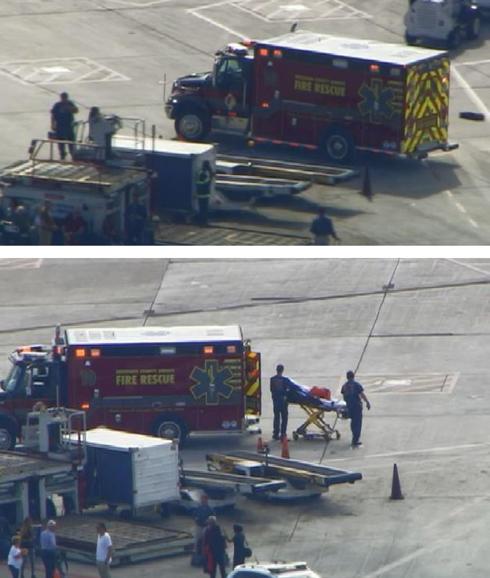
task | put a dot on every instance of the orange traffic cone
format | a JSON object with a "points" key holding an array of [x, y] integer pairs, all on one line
{"points": [[260, 445], [396, 491], [366, 185], [285, 447]]}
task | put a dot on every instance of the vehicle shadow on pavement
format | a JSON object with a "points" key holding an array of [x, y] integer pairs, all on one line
{"points": [[410, 178]]}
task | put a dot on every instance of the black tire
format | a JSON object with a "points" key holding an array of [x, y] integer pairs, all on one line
{"points": [[454, 39], [8, 435], [473, 30], [410, 40], [192, 124], [339, 146], [171, 428]]}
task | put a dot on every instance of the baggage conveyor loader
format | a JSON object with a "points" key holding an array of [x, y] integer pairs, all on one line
{"points": [[304, 479]]}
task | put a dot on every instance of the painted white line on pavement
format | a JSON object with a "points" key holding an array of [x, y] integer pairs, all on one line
{"points": [[197, 12], [415, 452], [460, 207], [468, 266], [477, 101]]}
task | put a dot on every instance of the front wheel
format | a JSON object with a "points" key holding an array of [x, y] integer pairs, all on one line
{"points": [[339, 146], [192, 125], [8, 436]]}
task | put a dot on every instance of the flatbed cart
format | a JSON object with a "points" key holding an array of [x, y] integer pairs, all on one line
{"points": [[316, 402]]}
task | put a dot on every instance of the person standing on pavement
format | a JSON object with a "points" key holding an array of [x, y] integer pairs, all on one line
{"points": [[103, 554], [240, 546], [279, 386], [26, 534], [322, 229], [203, 190], [49, 548], [201, 515], [14, 561], [353, 394], [214, 548], [62, 123]]}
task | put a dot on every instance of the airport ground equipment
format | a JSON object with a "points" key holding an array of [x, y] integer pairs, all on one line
{"points": [[133, 541], [94, 187], [274, 168], [307, 89], [146, 469], [163, 381], [174, 166], [444, 22], [304, 479]]}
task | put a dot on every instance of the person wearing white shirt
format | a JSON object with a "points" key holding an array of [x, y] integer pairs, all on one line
{"points": [[103, 555], [14, 560]]}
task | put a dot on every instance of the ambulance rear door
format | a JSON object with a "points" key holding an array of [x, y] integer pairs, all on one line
{"points": [[253, 384], [426, 106]]}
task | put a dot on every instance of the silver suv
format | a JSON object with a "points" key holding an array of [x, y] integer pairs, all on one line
{"points": [[274, 570]]}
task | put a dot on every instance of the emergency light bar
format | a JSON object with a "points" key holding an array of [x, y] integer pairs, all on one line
{"points": [[238, 49]]}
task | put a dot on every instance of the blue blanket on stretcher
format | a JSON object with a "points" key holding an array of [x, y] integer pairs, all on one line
{"points": [[301, 395]]}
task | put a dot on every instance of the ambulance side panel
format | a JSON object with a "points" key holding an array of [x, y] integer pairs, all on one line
{"points": [[130, 387], [300, 96]]}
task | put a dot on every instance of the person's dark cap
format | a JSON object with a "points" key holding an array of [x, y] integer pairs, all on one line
{"points": [[350, 374], [64, 95]]}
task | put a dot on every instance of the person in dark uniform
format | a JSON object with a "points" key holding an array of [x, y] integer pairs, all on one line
{"points": [[322, 229], [279, 391], [353, 394], [62, 119], [203, 189], [240, 546]]}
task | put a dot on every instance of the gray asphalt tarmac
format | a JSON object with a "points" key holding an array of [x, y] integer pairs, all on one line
{"points": [[420, 349], [122, 55]]}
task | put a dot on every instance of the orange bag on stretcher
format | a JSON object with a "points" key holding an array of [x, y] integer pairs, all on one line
{"points": [[322, 392]]}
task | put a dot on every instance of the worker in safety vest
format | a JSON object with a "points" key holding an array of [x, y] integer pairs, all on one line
{"points": [[203, 189]]}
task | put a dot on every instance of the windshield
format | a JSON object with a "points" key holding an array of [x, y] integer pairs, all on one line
{"points": [[13, 378]]}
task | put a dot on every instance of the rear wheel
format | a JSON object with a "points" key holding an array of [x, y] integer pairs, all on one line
{"points": [[171, 428], [192, 125], [473, 30], [454, 39], [339, 146]]}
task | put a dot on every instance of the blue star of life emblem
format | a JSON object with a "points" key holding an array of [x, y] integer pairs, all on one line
{"points": [[377, 101], [211, 382]]}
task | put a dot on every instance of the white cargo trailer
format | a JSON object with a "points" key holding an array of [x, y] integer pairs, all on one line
{"points": [[132, 470]]}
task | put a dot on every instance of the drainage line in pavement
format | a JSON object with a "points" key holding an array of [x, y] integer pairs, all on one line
{"points": [[386, 289]]}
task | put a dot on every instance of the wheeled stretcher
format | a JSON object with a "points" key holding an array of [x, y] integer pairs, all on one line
{"points": [[316, 402]]}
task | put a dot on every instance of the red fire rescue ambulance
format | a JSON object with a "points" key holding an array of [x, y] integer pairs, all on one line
{"points": [[318, 91], [165, 381]]}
